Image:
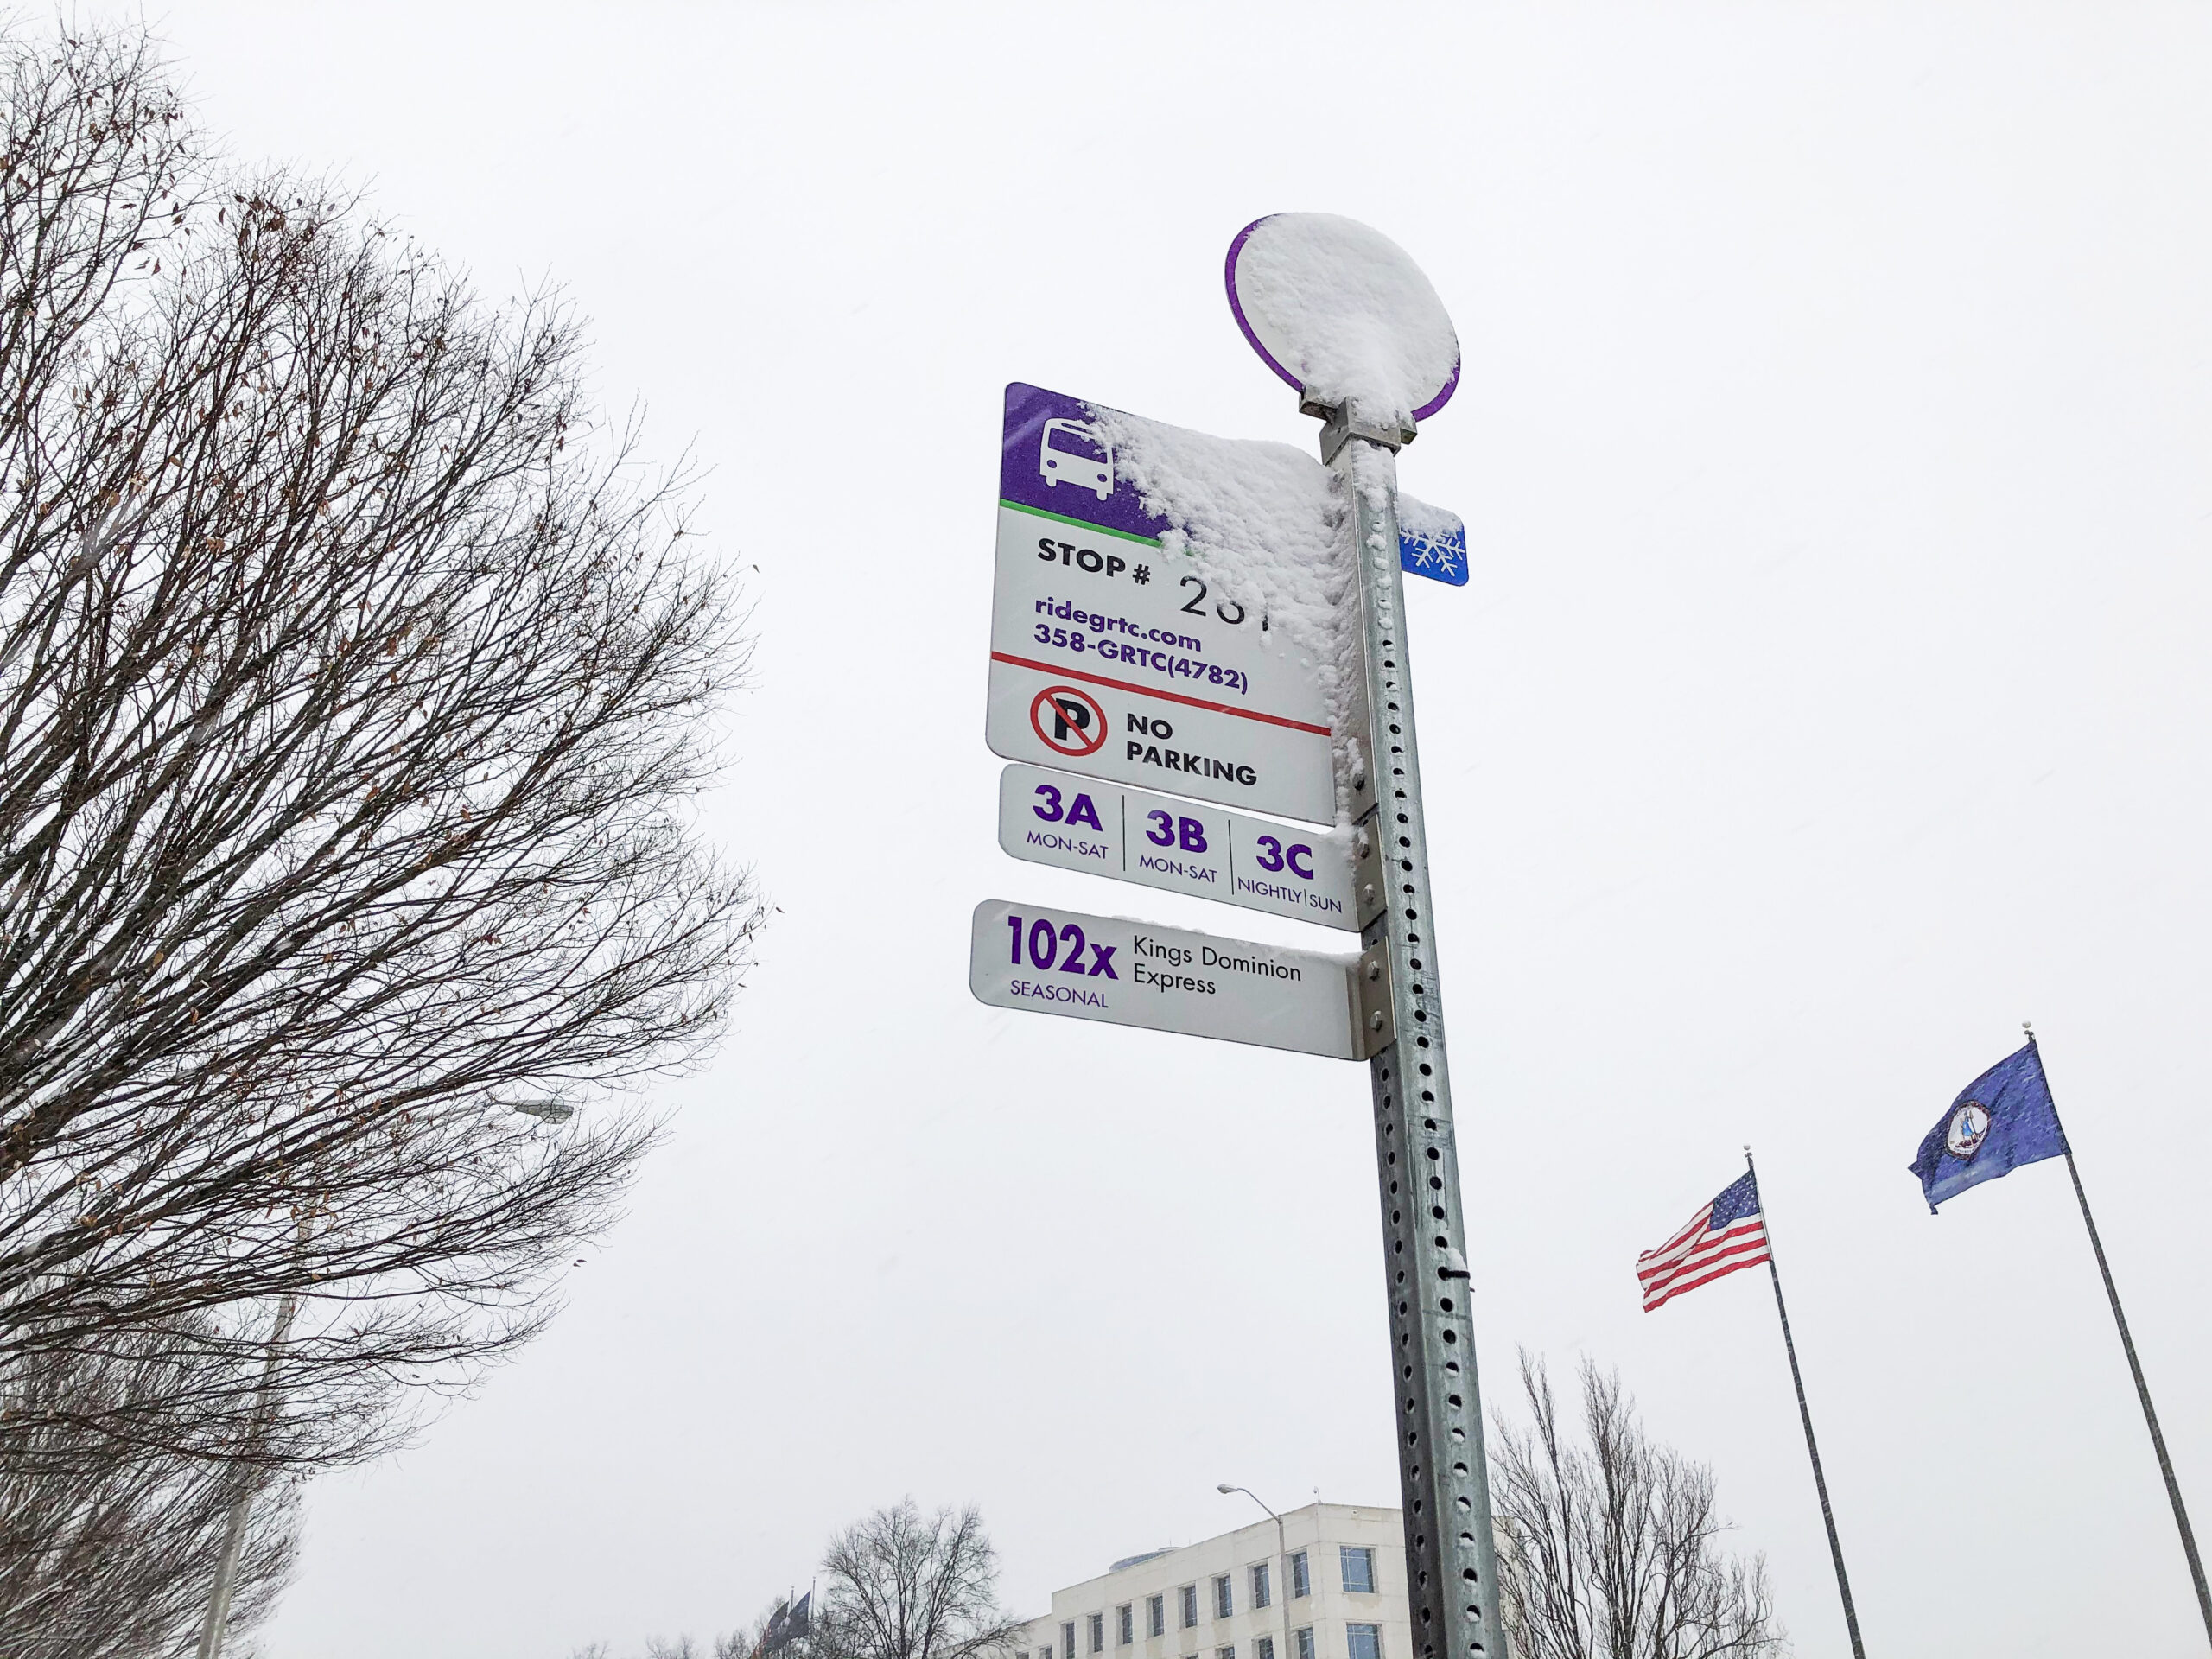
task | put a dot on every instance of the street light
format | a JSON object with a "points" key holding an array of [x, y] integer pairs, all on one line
{"points": [[547, 1109], [1282, 1586]]}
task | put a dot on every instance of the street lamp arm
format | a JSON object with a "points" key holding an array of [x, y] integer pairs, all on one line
{"points": [[1281, 1589], [1225, 1489]]}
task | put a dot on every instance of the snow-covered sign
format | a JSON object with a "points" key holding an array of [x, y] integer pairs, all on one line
{"points": [[1052, 818], [1123, 973], [1343, 313], [1115, 658]]}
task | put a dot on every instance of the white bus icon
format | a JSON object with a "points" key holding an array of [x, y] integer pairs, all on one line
{"points": [[1063, 463]]}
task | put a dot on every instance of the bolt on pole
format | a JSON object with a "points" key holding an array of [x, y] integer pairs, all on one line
{"points": [[1450, 1562]]}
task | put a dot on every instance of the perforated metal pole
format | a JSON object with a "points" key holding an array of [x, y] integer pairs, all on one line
{"points": [[1451, 1565]]}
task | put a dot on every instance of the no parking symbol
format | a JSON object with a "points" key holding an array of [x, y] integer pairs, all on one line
{"points": [[1068, 722]]}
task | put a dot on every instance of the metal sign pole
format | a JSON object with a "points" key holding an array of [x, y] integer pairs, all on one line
{"points": [[1451, 1565]]}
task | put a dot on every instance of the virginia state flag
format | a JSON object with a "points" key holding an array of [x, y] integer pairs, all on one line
{"points": [[2005, 1118]]}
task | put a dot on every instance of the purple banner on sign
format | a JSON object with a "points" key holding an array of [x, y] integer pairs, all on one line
{"points": [[1055, 457]]}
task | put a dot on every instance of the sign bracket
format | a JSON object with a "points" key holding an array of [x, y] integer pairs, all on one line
{"points": [[1374, 1029], [1367, 873]]}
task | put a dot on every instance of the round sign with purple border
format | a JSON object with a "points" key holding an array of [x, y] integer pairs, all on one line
{"points": [[1343, 313]]}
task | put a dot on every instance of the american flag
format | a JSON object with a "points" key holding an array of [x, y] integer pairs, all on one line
{"points": [[1727, 1234]]}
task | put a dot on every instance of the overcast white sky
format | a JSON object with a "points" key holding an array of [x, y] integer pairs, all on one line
{"points": [[1830, 696]]}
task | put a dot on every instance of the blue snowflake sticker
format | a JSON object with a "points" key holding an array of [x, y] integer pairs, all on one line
{"points": [[1432, 542]]}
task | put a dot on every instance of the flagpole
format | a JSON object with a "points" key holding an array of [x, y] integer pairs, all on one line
{"points": [[2134, 1366], [1805, 1415]]}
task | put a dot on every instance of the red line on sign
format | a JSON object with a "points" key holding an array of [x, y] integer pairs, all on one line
{"points": [[1154, 691]]}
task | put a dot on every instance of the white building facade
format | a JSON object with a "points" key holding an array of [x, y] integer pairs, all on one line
{"points": [[1333, 1587]]}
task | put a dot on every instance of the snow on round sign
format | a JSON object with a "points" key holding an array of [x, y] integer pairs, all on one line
{"points": [[1343, 313]]}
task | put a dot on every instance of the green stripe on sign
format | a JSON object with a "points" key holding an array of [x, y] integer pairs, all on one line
{"points": [[1080, 523]]}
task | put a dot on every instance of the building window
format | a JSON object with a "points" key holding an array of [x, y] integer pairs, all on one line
{"points": [[1359, 1569], [1261, 1597], [1155, 1616], [1189, 1595], [1362, 1642], [1224, 1601], [1305, 1643], [1098, 1632], [1125, 1624], [1067, 1640], [1301, 1583], [1224, 1653], [1264, 1648]]}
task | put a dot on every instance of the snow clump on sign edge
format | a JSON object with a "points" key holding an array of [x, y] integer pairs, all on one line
{"points": [[1266, 528]]}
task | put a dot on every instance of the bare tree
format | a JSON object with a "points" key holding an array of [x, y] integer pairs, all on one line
{"points": [[906, 1585], [901, 1585], [737, 1644], [108, 1553], [769, 1636], [350, 693], [1608, 1550]]}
